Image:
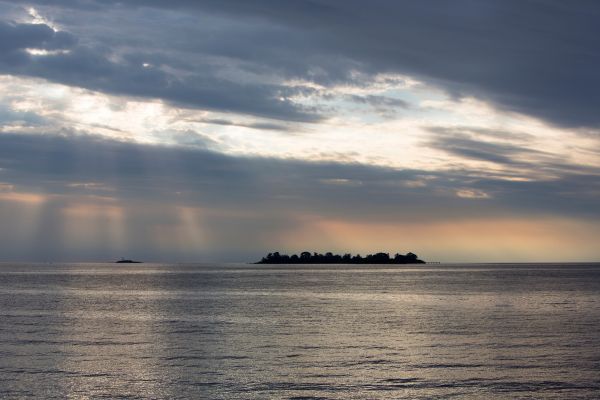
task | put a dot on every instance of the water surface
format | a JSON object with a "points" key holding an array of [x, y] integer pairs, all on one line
{"points": [[299, 332]]}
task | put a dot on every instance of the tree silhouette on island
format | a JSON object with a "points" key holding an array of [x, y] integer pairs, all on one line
{"points": [[330, 258]]}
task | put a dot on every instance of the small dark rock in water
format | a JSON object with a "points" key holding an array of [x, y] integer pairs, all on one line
{"points": [[124, 261], [330, 258]]}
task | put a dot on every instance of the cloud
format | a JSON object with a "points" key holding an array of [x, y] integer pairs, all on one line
{"points": [[192, 138], [536, 58], [199, 177], [30, 50], [17, 37], [513, 152], [8, 116], [342, 79], [461, 144], [76, 196], [379, 101], [88, 69], [269, 126]]}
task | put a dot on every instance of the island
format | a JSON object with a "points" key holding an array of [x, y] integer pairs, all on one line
{"points": [[329, 258], [126, 261]]}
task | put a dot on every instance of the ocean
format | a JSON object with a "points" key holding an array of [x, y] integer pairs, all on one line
{"points": [[236, 331]]}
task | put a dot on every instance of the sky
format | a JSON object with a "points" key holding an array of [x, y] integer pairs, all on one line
{"points": [[201, 131]]}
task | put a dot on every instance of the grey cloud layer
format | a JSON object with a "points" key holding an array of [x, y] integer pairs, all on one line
{"points": [[516, 156], [246, 204], [93, 66], [21, 36], [536, 57], [203, 178]]}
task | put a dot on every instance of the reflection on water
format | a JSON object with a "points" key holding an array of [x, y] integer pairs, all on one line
{"points": [[237, 331]]}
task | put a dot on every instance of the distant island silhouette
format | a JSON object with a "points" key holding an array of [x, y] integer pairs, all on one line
{"points": [[329, 258], [126, 261]]}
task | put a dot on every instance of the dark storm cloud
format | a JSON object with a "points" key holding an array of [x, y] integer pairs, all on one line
{"points": [[62, 164], [535, 57]]}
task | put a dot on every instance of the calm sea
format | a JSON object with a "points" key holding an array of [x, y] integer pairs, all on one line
{"points": [[299, 332]]}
